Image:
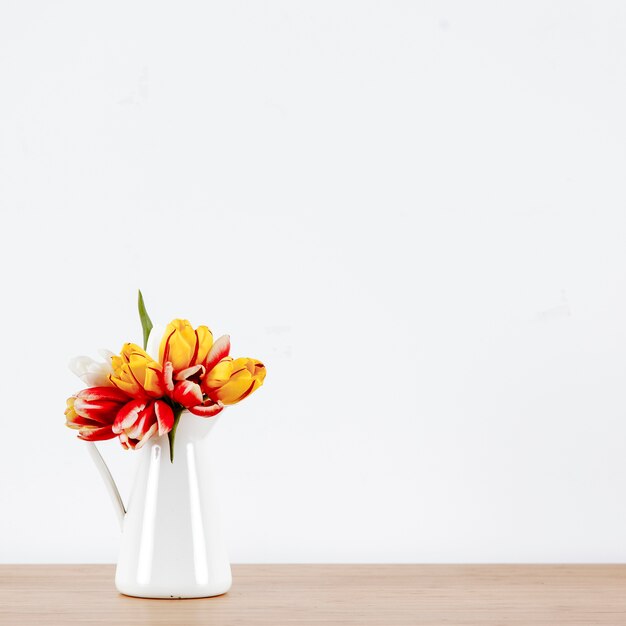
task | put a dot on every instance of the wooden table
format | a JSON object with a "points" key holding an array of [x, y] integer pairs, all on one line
{"points": [[386, 595]]}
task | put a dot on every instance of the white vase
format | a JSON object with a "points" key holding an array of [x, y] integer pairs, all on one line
{"points": [[171, 546]]}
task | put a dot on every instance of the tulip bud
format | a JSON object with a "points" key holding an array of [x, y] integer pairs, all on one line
{"points": [[232, 380]]}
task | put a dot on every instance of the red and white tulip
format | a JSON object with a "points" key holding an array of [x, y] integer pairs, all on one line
{"points": [[93, 411], [187, 355], [138, 420]]}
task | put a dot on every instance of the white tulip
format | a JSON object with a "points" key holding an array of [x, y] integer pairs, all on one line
{"points": [[93, 373]]}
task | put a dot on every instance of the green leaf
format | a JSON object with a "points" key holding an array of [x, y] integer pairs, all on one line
{"points": [[172, 434], [146, 322]]}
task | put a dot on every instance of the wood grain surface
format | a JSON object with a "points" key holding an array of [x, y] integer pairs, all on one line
{"points": [[477, 595]]}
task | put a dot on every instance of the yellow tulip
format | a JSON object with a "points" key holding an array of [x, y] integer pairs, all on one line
{"points": [[136, 373], [183, 346], [231, 380]]}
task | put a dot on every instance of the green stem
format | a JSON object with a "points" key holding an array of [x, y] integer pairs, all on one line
{"points": [[172, 434]]}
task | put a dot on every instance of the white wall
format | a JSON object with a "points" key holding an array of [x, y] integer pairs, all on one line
{"points": [[413, 212]]}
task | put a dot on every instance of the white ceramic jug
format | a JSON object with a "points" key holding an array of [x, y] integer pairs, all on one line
{"points": [[172, 545]]}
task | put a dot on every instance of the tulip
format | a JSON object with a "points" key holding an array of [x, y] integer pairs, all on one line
{"points": [[136, 373], [232, 380], [93, 373], [186, 355], [183, 346], [185, 389], [93, 411], [138, 420]]}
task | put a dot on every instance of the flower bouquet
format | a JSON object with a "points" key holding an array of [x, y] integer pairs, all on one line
{"points": [[134, 396], [171, 543]]}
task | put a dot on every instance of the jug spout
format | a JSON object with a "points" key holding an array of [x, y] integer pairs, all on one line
{"points": [[109, 483]]}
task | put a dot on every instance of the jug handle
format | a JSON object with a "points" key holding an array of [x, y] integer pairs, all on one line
{"points": [[109, 483]]}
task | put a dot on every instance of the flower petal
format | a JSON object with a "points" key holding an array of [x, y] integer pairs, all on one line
{"points": [[96, 394], [102, 412], [168, 371], [179, 344], [152, 382], [190, 371], [206, 411], [93, 373], [187, 393], [218, 351], [205, 342], [164, 416], [126, 443], [144, 421], [128, 415], [96, 434], [129, 387], [146, 436]]}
